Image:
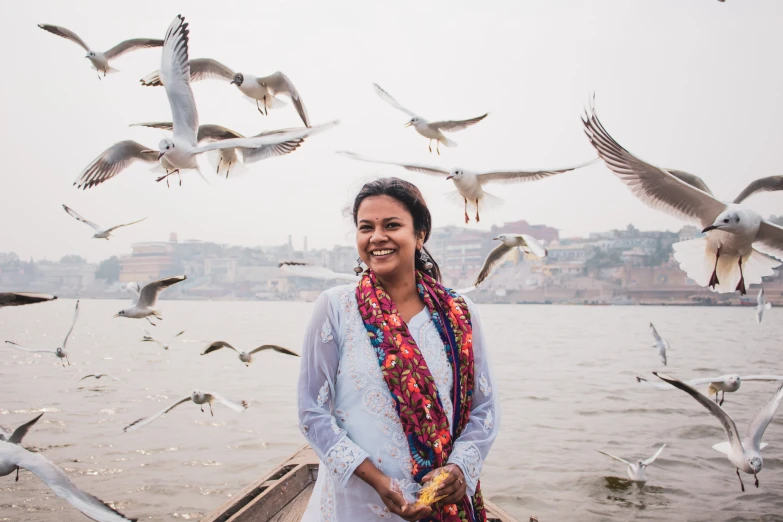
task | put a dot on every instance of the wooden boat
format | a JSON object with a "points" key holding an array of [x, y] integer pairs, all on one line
{"points": [[282, 495]]}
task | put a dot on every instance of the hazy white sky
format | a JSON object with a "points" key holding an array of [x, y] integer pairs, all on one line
{"points": [[693, 85]]}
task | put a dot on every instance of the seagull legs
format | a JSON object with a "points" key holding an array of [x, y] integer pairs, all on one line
{"points": [[220, 160], [757, 479], [714, 278], [740, 479], [741, 284], [69, 362], [150, 321], [477, 213], [210, 409], [722, 398], [437, 147], [169, 173], [467, 218], [430, 145], [17, 474], [265, 112]]}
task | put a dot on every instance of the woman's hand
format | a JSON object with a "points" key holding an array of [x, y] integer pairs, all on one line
{"points": [[396, 504], [454, 487]]}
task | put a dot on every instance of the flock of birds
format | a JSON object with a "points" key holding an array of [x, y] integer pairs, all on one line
{"points": [[733, 254]]}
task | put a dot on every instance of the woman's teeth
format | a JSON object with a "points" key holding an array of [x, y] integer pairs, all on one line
{"points": [[381, 252]]}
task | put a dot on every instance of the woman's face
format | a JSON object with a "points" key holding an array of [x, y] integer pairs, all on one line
{"points": [[385, 237]]}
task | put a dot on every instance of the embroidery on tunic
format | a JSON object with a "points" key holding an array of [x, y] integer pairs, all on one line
{"points": [[488, 421], [327, 501], [484, 386], [382, 512], [342, 456], [326, 332], [342, 415], [335, 428], [468, 455], [304, 429], [323, 394]]}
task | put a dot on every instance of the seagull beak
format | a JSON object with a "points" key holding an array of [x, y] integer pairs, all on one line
{"points": [[233, 82], [711, 227], [449, 177], [408, 124], [117, 314], [495, 238], [160, 155]]}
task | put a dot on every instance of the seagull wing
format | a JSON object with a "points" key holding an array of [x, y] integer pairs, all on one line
{"points": [[175, 74], [280, 84], [691, 179], [200, 69], [112, 161], [654, 186], [165, 125], [31, 350], [88, 376], [521, 176], [177, 335], [230, 403], [769, 184], [210, 132], [654, 333], [314, 271], [65, 33], [385, 96], [23, 298], [652, 459], [715, 410], [134, 290], [457, 125], [125, 225], [144, 421], [771, 238], [78, 217], [149, 294], [60, 484], [217, 345], [615, 458], [22, 430], [131, 45], [414, 167], [532, 246], [495, 256], [270, 151], [761, 420], [276, 348], [75, 317], [265, 139], [762, 378]]}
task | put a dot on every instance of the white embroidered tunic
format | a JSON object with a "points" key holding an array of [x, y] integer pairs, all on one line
{"points": [[347, 413]]}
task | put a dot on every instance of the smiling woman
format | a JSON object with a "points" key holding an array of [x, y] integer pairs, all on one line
{"points": [[395, 384]]}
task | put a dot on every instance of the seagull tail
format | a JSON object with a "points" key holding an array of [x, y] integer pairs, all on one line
{"points": [[447, 142], [697, 259], [723, 447]]}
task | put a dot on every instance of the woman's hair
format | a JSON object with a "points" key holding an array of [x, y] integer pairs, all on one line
{"points": [[410, 196]]}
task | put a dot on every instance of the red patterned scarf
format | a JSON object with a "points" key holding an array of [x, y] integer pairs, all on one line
{"points": [[412, 385]]}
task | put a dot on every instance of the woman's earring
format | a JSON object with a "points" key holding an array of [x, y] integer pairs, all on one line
{"points": [[358, 268], [425, 260]]}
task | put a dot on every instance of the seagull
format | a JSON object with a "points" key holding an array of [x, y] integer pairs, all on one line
{"points": [[636, 470], [228, 157], [761, 306], [23, 298], [99, 375], [727, 259], [149, 339], [247, 357], [60, 351], [745, 453], [470, 184], [100, 60], [430, 130], [182, 149], [300, 269], [144, 299], [722, 384], [660, 343], [13, 457], [509, 243], [259, 89], [100, 232], [16, 437], [198, 397]]}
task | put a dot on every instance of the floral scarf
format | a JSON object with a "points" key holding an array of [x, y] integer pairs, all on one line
{"points": [[412, 385]]}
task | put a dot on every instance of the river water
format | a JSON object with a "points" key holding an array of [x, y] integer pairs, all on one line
{"points": [[565, 376]]}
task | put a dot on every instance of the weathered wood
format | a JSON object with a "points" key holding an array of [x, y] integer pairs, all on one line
{"points": [[276, 496], [295, 509]]}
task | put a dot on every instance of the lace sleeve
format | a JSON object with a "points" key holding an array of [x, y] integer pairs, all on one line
{"points": [[317, 375], [473, 444]]}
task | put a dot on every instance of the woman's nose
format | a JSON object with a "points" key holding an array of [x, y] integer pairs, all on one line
{"points": [[378, 236]]}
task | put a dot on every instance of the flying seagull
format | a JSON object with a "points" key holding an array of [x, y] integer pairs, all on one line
{"points": [[729, 257], [263, 90], [16, 436], [722, 384], [13, 457], [227, 157], [469, 184], [23, 298], [59, 351], [744, 454], [636, 471], [509, 243], [144, 299], [660, 343], [300, 269], [247, 357], [100, 232], [199, 398], [149, 339], [182, 149], [100, 60], [98, 376], [430, 130], [761, 306]]}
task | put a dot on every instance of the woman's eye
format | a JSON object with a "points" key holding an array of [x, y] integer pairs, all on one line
{"points": [[393, 225]]}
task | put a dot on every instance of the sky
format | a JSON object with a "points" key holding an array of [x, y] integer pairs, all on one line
{"points": [[689, 85]]}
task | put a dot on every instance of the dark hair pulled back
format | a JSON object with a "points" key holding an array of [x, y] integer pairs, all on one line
{"points": [[410, 196]]}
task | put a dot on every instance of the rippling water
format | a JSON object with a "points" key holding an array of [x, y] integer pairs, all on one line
{"points": [[565, 375]]}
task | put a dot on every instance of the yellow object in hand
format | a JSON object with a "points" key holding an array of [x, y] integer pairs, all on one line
{"points": [[427, 494]]}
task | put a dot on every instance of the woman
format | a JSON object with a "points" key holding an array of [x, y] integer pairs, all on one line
{"points": [[394, 382]]}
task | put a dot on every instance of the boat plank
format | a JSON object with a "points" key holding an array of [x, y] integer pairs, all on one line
{"points": [[295, 509]]}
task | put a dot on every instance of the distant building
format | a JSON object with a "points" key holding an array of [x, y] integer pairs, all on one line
{"points": [[66, 275], [147, 262]]}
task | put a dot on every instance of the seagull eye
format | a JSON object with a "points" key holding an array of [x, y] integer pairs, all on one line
{"points": [[725, 220]]}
